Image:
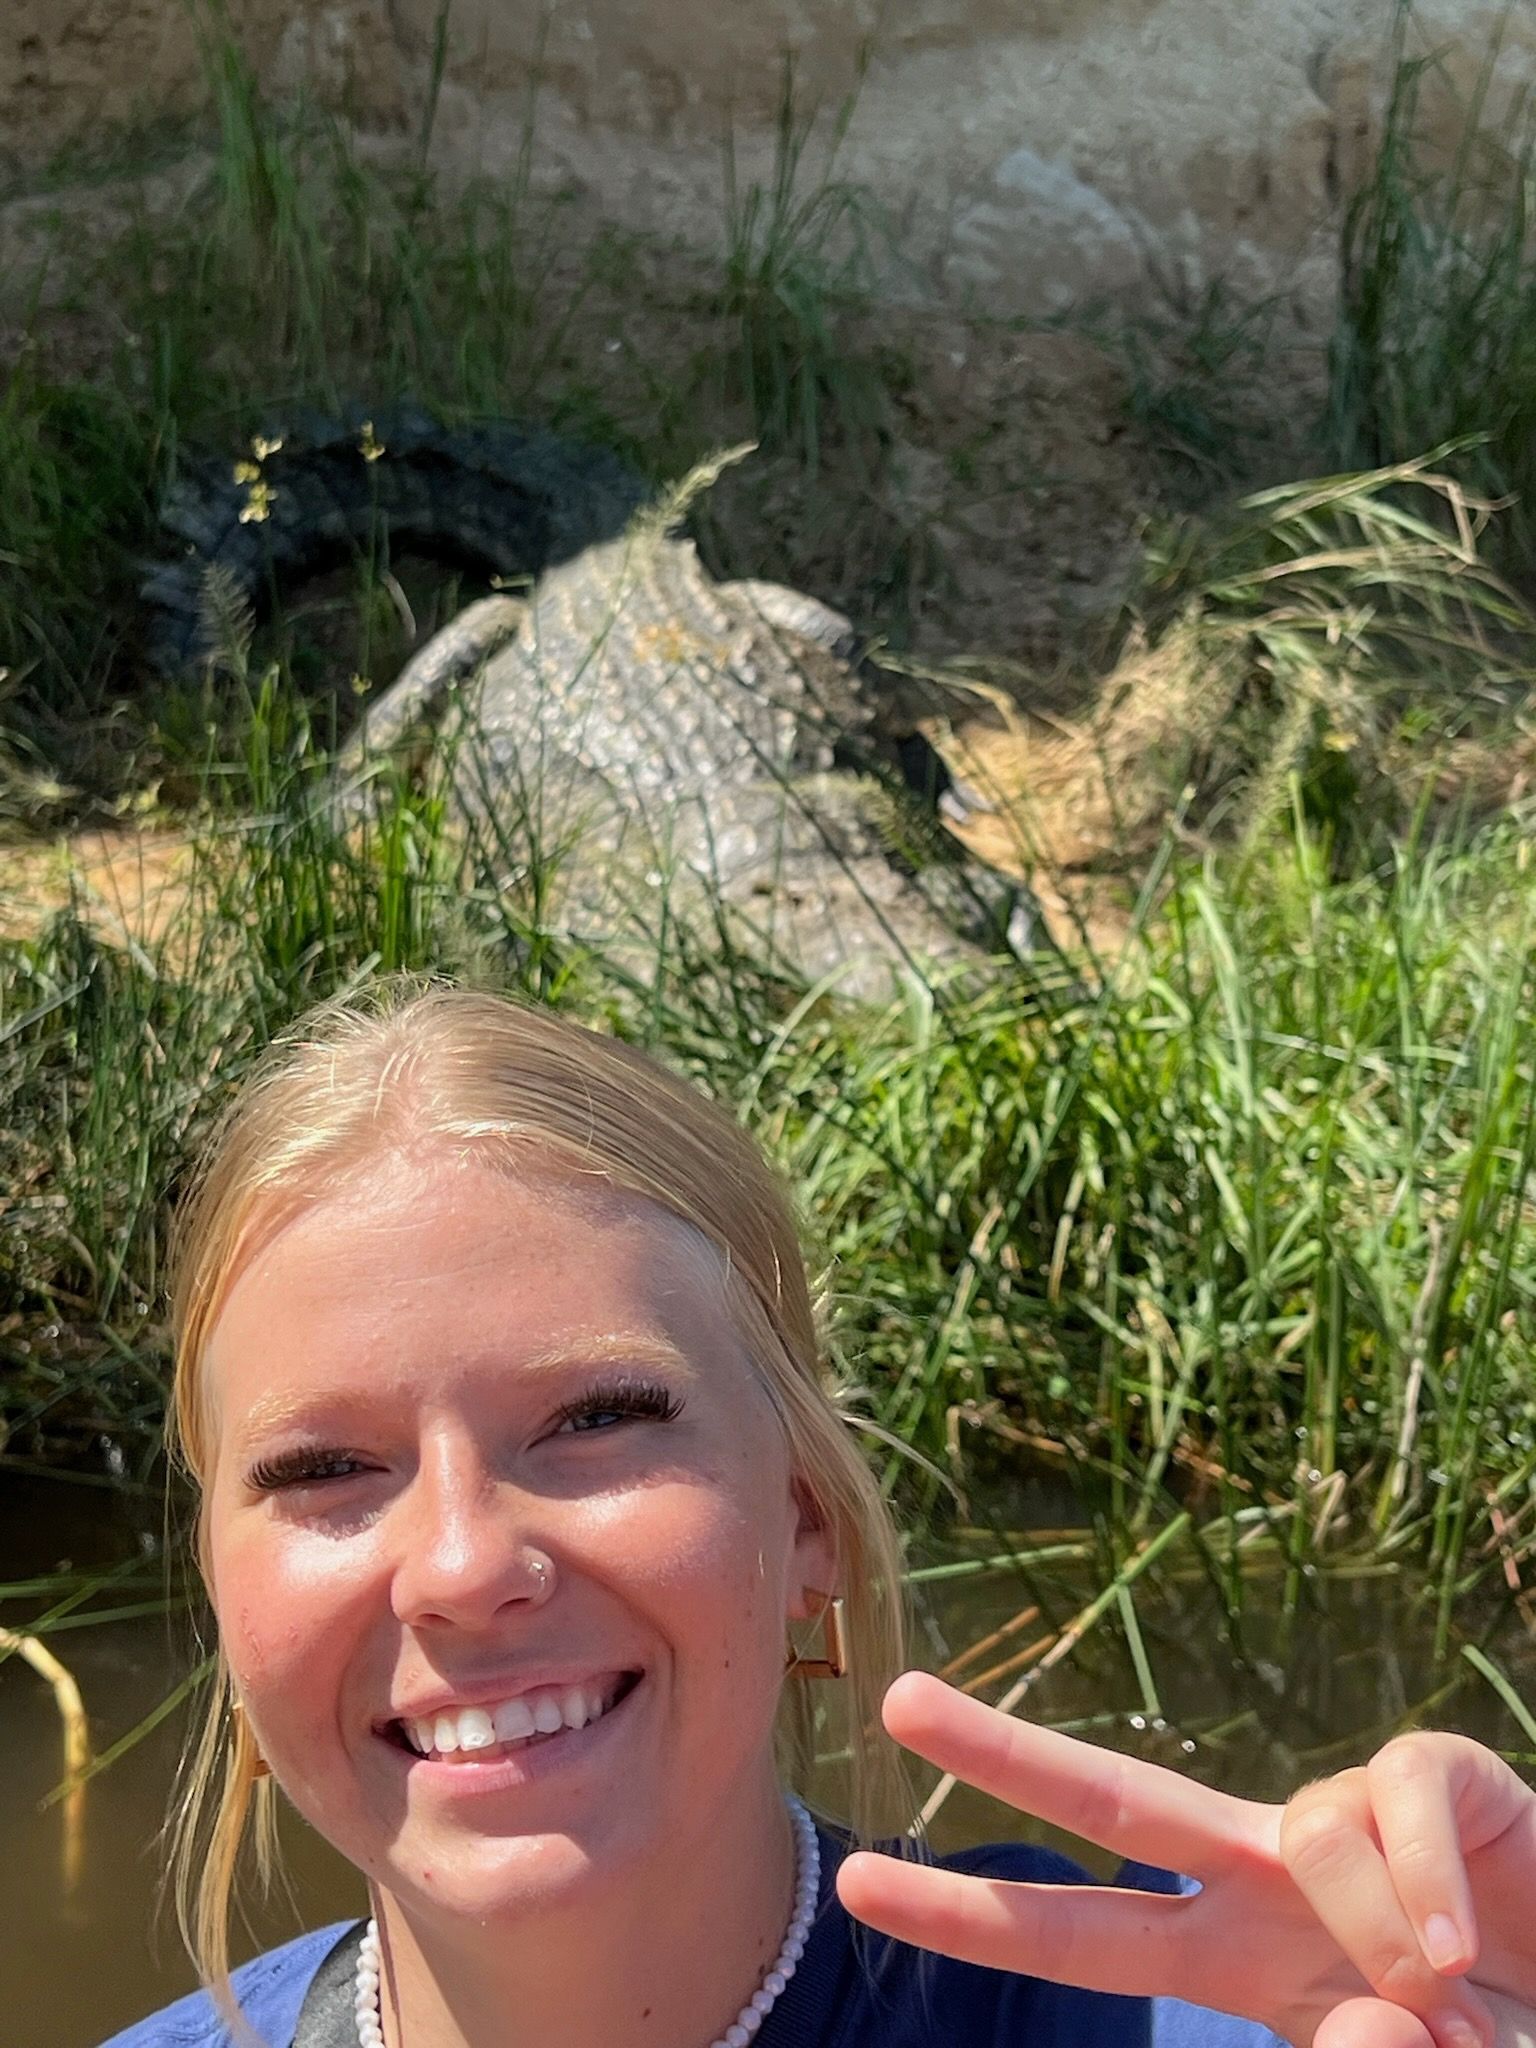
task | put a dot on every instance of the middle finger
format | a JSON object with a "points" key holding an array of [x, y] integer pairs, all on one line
{"points": [[1138, 1943]]}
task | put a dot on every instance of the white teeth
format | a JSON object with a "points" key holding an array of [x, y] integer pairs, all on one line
{"points": [[513, 1721], [476, 1728]]}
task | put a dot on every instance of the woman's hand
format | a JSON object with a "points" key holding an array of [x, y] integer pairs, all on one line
{"points": [[1427, 1853], [1305, 1911]]}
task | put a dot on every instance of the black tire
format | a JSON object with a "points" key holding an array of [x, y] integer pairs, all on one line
{"points": [[499, 499]]}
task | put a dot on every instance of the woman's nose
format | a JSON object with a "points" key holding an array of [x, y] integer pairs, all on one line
{"points": [[467, 1550]]}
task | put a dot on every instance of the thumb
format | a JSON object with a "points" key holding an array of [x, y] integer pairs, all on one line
{"points": [[1372, 2023]]}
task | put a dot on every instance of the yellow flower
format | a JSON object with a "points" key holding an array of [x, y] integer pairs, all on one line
{"points": [[369, 446], [258, 502]]}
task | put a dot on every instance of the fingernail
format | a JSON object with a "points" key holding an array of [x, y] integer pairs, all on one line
{"points": [[1455, 2030], [1444, 1943]]}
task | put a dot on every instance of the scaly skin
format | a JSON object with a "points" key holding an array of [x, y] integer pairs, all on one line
{"points": [[679, 742]]}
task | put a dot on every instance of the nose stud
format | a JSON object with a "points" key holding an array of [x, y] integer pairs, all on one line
{"points": [[543, 1572]]}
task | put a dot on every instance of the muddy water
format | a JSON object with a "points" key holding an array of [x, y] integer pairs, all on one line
{"points": [[1256, 1715]]}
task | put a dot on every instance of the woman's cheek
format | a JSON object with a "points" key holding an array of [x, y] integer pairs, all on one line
{"points": [[696, 1556], [294, 1607], [675, 1536]]}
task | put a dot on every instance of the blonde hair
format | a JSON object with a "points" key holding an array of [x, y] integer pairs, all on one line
{"points": [[409, 1060]]}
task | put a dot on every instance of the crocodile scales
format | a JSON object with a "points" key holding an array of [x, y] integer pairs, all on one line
{"points": [[681, 736]]}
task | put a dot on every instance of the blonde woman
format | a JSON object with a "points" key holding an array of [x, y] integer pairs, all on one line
{"points": [[499, 1380]]}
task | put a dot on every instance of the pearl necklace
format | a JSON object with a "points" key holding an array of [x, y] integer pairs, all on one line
{"points": [[370, 2031]]}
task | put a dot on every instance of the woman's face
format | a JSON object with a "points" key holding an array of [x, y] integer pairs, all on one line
{"points": [[490, 1452]]}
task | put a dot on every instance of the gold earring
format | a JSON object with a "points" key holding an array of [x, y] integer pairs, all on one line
{"points": [[260, 1768], [833, 1662]]}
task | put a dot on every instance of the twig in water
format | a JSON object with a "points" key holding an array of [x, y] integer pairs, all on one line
{"points": [[999, 1635], [1486, 1668], [1009, 1665], [1067, 1641], [1502, 1539], [1398, 1479], [77, 1741]]}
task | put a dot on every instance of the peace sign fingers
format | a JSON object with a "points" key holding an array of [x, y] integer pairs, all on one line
{"points": [[1133, 1942], [1374, 1878]]}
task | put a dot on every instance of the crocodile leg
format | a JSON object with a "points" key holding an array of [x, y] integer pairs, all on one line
{"points": [[417, 698]]}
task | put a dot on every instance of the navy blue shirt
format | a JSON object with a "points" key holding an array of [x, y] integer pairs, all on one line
{"points": [[853, 1988]]}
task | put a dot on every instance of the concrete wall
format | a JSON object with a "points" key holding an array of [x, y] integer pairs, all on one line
{"points": [[1033, 153]]}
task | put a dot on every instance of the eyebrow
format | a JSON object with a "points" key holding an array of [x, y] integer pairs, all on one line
{"points": [[274, 1412]]}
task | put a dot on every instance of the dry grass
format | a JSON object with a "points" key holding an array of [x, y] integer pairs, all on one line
{"points": [[127, 883], [1339, 643], [1078, 808]]}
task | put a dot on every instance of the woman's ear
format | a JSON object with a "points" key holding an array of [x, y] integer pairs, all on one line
{"points": [[814, 1564]]}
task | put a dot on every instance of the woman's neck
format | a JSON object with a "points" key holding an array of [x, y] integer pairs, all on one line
{"points": [[665, 1961]]}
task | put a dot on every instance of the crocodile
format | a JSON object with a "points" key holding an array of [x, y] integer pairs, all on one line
{"points": [[715, 753], [695, 743]]}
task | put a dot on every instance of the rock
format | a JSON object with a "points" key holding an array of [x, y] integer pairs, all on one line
{"points": [[1039, 220]]}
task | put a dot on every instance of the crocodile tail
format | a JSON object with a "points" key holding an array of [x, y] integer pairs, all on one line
{"points": [[502, 499]]}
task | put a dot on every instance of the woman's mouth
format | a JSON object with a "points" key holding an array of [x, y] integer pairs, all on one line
{"points": [[485, 1734]]}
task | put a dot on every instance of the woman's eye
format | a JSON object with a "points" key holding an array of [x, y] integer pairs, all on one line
{"points": [[301, 1468], [606, 1406], [591, 1418]]}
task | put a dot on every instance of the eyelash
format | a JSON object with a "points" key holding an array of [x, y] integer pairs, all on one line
{"points": [[635, 1399], [629, 1399], [296, 1468]]}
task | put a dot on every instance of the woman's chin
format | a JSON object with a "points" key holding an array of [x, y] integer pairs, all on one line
{"points": [[510, 1878]]}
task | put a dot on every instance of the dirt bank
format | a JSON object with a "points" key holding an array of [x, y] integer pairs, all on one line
{"points": [[1035, 153]]}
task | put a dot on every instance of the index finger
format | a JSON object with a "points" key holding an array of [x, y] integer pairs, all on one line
{"points": [[1136, 1809]]}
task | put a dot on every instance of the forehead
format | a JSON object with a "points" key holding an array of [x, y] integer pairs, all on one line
{"points": [[435, 1265]]}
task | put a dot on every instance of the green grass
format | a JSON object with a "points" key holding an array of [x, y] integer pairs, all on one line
{"points": [[1265, 1213], [802, 253], [1250, 1229], [1193, 368], [1436, 336]]}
